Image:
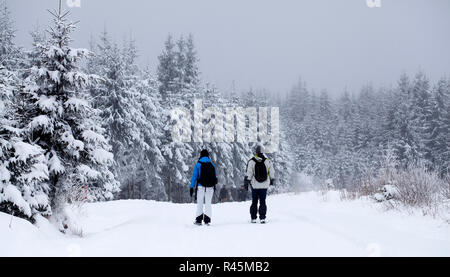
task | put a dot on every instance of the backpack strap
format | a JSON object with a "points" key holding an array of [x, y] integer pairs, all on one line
{"points": [[256, 161]]}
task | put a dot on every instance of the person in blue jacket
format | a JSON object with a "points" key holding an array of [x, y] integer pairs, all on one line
{"points": [[203, 181]]}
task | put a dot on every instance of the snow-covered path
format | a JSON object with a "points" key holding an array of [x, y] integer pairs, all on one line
{"points": [[299, 225]]}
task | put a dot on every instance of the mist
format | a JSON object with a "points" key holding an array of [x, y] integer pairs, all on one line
{"points": [[262, 44]]}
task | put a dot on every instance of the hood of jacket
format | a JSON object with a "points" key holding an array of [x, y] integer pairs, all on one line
{"points": [[205, 160]]}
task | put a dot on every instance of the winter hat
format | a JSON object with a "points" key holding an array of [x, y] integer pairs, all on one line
{"points": [[204, 153], [259, 149]]}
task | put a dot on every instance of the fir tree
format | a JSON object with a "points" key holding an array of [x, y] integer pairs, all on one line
{"points": [[64, 124], [9, 52], [23, 169]]}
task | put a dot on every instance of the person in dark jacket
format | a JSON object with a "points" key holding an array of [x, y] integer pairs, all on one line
{"points": [[205, 192], [259, 165]]}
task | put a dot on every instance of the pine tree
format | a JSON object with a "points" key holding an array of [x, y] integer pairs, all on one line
{"points": [[39, 40], [176, 93], [9, 52], [398, 127], [23, 169], [123, 98], [438, 127], [420, 114], [151, 160], [191, 71], [65, 125], [167, 70], [23, 187]]}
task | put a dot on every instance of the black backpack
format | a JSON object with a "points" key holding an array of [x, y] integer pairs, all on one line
{"points": [[208, 176], [260, 170]]}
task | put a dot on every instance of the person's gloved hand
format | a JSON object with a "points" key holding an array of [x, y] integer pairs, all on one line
{"points": [[191, 191], [246, 183], [272, 182]]}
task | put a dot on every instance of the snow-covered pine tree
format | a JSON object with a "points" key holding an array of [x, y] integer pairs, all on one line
{"points": [[283, 158], [420, 114], [23, 169], [214, 140], [65, 125], [119, 97], [134, 162], [9, 52], [33, 56], [438, 127], [240, 151], [283, 162], [398, 126], [167, 70], [293, 118], [152, 159], [326, 134], [179, 87], [191, 70]]}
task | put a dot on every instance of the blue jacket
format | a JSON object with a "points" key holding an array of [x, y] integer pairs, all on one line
{"points": [[197, 168]]}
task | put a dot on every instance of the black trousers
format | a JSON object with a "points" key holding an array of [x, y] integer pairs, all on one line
{"points": [[258, 195]]}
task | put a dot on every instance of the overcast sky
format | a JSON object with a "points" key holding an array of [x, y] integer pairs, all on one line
{"points": [[331, 44]]}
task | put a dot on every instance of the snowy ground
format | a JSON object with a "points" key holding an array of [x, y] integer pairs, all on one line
{"points": [[299, 225]]}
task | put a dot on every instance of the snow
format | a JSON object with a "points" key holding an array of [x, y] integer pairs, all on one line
{"points": [[307, 224], [72, 143], [379, 197], [2, 107], [54, 51], [81, 78], [12, 194], [390, 191], [76, 104], [55, 76], [24, 151], [87, 173], [40, 199], [48, 104], [92, 136], [40, 121], [102, 156], [387, 192], [41, 71], [4, 173], [80, 52], [55, 164], [39, 172]]}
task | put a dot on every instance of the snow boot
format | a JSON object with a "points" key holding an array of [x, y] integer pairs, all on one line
{"points": [[263, 221], [207, 219], [253, 221], [198, 220]]}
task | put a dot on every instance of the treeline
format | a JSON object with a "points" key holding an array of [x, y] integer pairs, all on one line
{"points": [[356, 140]]}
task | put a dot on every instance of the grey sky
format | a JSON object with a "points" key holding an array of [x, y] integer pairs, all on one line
{"points": [[332, 44]]}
